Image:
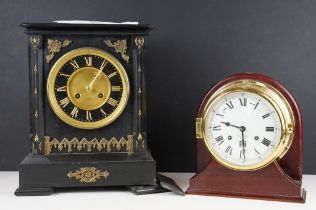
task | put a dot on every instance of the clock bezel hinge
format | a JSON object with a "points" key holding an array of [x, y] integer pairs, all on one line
{"points": [[198, 128]]}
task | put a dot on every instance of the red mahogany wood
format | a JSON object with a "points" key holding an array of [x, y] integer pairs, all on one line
{"points": [[279, 181]]}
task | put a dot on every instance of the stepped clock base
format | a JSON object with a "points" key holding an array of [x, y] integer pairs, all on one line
{"points": [[40, 175], [33, 191]]}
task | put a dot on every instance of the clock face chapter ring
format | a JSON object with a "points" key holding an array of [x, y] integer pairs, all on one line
{"points": [[247, 124], [88, 88]]}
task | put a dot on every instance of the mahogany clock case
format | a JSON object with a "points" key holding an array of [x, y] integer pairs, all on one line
{"points": [[280, 181], [43, 170]]}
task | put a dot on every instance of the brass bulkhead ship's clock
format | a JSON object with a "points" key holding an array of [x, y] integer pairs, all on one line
{"points": [[249, 141], [87, 108]]}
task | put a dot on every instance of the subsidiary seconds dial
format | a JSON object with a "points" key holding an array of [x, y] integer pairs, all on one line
{"points": [[243, 128]]}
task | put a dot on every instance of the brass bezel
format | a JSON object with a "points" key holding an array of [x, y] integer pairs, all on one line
{"points": [[54, 103], [275, 98]]}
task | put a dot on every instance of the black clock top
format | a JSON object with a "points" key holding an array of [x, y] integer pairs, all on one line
{"points": [[134, 28]]}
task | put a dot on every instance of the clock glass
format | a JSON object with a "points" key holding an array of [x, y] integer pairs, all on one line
{"points": [[243, 128], [247, 125], [88, 88]]}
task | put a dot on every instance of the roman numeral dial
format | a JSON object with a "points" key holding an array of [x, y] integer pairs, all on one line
{"points": [[243, 101], [242, 128], [88, 88], [230, 104]]}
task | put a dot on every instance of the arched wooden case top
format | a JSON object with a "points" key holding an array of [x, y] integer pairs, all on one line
{"points": [[280, 180]]}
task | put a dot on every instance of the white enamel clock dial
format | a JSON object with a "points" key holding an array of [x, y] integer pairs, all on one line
{"points": [[243, 128]]}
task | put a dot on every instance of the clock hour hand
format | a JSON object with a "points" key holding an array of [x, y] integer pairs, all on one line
{"points": [[228, 124]]}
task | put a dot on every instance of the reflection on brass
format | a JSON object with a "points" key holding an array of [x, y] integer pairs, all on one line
{"points": [[84, 145], [198, 130], [88, 174], [140, 140], [35, 69], [120, 46], [139, 41], [139, 137], [36, 138], [54, 46], [34, 41], [35, 78]]}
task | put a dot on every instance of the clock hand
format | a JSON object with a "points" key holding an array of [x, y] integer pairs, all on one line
{"points": [[94, 79], [243, 142], [228, 124]]}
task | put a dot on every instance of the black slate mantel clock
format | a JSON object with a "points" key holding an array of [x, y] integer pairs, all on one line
{"points": [[87, 108]]}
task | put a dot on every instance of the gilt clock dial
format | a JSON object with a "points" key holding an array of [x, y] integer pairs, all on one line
{"points": [[88, 88], [247, 125]]}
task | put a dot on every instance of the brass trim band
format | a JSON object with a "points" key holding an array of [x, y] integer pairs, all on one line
{"points": [[87, 146], [140, 142], [35, 42]]}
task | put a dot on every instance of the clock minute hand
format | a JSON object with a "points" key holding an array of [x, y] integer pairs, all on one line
{"points": [[92, 82], [243, 142]]}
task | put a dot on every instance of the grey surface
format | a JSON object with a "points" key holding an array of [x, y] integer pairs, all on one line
{"points": [[193, 45]]}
